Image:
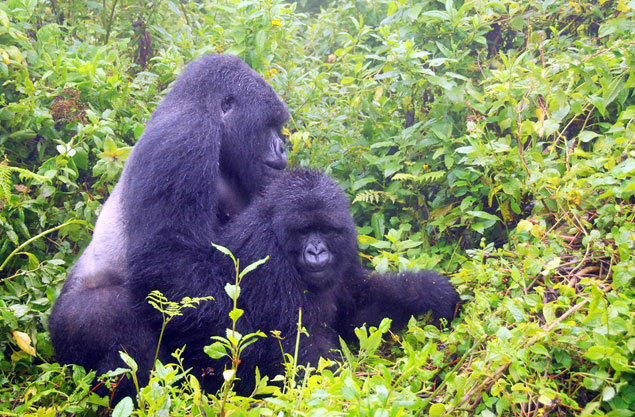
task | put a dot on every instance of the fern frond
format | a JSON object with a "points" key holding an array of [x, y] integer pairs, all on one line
{"points": [[6, 182], [374, 197], [427, 177], [432, 176], [369, 196], [405, 177]]}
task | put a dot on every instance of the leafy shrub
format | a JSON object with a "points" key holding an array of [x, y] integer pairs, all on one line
{"points": [[493, 140]]}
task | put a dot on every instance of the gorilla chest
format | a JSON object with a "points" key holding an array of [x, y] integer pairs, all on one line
{"points": [[284, 309]]}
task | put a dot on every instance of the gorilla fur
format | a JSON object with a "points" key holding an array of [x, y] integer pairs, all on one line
{"points": [[211, 145], [303, 223]]}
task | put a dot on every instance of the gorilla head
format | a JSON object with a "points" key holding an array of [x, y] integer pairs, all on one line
{"points": [[246, 111], [214, 142], [310, 220]]}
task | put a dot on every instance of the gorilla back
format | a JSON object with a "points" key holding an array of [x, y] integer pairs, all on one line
{"points": [[210, 146]]}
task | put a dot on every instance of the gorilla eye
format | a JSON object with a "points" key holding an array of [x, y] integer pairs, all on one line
{"points": [[227, 104]]}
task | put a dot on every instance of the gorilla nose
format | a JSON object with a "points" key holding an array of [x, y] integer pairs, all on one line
{"points": [[316, 256], [278, 158]]}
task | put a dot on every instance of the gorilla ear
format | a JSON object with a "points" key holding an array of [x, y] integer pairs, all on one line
{"points": [[227, 104]]}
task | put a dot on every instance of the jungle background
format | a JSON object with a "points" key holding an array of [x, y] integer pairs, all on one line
{"points": [[489, 140]]}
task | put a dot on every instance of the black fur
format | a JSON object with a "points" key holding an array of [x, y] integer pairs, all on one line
{"points": [[210, 146], [301, 214]]}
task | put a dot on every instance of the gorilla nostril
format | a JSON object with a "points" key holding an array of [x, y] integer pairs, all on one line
{"points": [[316, 255], [314, 251], [279, 147]]}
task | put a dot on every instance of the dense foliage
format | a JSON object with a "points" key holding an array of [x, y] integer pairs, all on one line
{"points": [[492, 140]]}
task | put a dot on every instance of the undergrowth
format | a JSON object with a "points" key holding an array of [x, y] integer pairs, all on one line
{"points": [[490, 140]]}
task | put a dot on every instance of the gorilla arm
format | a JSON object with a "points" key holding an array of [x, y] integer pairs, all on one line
{"points": [[399, 296]]}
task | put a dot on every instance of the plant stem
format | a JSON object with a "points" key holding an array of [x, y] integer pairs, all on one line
{"points": [[235, 349], [156, 354], [109, 27], [34, 238]]}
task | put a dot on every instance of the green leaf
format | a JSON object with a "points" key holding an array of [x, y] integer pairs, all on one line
{"points": [[586, 136], [224, 250], [233, 291], [129, 361], [377, 223], [261, 37], [233, 336], [619, 363], [436, 410], [540, 349], [123, 408], [23, 134], [235, 314], [4, 19], [347, 80], [516, 311], [366, 240], [596, 353], [517, 23], [608, 393], [484, 215], [253, 266], [216, 350]]}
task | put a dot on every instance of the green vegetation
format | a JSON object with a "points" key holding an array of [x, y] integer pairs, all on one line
{"points": [[492, 140]]}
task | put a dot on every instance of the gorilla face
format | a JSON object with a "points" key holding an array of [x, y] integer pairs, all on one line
{"points": [[315, 255], [252, 150], [315, 261], [312, 225], [222, 100]]}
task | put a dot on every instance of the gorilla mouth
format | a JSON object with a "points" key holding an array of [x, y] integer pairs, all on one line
{"points": [[275, 165], [276, 156], [316, 275], [315, 270]]}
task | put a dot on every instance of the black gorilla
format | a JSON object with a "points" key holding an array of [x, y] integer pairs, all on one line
{"points": [[210, 146], [303, 223]]}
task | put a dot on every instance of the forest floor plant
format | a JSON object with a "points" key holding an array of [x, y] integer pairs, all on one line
{"points": [[490, 140]]}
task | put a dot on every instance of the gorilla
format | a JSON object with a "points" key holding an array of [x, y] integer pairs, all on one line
{"points": [[302, 222], [211, 145]]}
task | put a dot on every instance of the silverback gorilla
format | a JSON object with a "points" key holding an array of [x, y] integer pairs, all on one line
{"points": [[302, 222], [211, 145]]}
